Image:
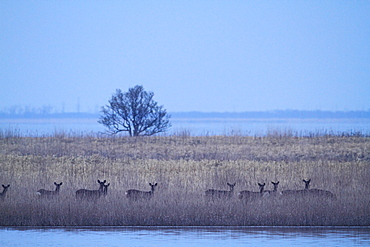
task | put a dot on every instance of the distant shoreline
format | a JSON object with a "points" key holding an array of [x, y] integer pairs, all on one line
{"points": [[52, 119], [279, 114]]}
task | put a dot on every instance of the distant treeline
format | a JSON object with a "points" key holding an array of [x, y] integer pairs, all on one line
{"points": [[297, 114], [32, 115], [276, 114]]}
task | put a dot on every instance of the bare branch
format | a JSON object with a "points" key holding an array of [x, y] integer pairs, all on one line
{"points": [[134, 112]]}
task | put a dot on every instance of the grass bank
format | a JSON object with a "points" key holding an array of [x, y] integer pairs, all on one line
{"points": [[184, 167]]}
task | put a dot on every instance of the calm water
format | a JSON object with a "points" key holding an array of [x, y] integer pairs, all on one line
{"points": [[197, 126], [186, 236]]}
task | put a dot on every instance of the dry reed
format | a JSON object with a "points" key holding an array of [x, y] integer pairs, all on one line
{"points": [[184, 167]]}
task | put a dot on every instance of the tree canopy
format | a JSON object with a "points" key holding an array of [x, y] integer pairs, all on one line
{"points": [[134, 112]]}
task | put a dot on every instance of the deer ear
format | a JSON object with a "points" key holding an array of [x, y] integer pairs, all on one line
{"points": [[61, 183], [156, 184]]}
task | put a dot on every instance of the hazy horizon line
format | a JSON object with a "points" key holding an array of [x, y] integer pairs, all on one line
{"points": [[200, 114]]}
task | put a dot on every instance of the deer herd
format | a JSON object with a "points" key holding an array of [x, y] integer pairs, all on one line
{"points": [[244, 195], [248, 196], [90, 194]]}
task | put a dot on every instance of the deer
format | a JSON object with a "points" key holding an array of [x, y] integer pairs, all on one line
{"points": [[272, 192], [297, 192], [5, 189], [134, 195], [50, 193], [318, 192], [105, 189], [251, 195], [307, 192], [212, 193], [92, 194]]}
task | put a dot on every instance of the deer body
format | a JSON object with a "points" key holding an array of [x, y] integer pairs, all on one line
{"points": [[320, 193], [5, 189], [221, 193], [251, 195], [50, 193], [307, 192], [298, 192], [92, 194], [138, 194]]}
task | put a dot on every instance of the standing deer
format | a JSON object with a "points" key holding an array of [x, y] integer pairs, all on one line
{"points": [[92, 194], [247, 195], [297, 192], [212, 193], [138, 194], [50, 193], [311, 193], [105, 189], [306, 184], [318, 193], [5, 189], [273, 192]]}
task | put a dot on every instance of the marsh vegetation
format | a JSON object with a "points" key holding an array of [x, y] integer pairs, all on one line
{"points": [[184, 168]]}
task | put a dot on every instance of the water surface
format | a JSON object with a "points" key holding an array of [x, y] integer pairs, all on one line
{"points": [[196, 127], [185, 236]]}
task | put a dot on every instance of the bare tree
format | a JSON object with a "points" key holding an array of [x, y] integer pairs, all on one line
{"points": [[134, 112]]}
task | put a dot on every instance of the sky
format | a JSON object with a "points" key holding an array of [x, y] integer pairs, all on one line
{"points": [[209, 56]]}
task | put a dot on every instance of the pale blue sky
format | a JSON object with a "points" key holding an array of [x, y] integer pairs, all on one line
{"points": [[194, 55]]}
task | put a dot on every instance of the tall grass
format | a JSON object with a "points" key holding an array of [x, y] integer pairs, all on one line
{"points": [[184, 167]]}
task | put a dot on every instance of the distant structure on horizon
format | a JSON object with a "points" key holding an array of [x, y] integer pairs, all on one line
{"points": [[25, 112]]}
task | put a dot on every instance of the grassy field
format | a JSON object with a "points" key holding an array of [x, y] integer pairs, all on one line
{"points": [[184, 168]]}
